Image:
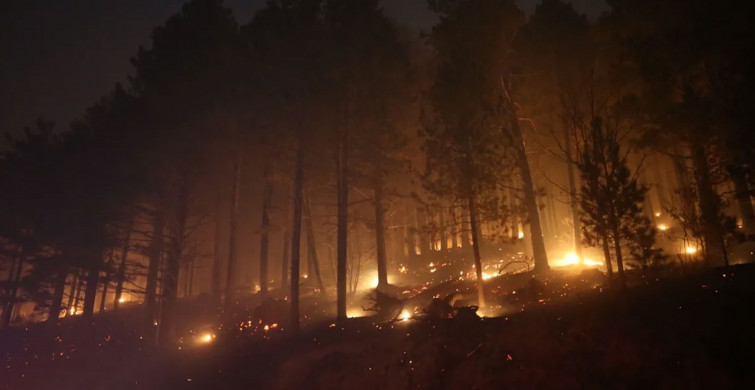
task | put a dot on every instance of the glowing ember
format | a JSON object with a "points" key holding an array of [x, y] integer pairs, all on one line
{"points": [[662, 227], [658, 214], [521, 235], [690, 250], [405, 315], [431, 265], [205, 338], [121, 300], [305, 276], [402, 269]]}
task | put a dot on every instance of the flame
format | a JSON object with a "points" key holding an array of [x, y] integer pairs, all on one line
{"points": [[571, 258], [691, 250], [663, 227], [405, 315], [402, 269]]}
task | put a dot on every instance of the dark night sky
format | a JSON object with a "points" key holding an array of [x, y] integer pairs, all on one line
{"points": [[57, 57]]}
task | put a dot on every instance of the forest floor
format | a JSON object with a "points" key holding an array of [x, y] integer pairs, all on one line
{"points": [[687, 329]]}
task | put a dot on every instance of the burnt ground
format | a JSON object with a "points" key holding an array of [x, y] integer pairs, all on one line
{"points": [[691, 329]]}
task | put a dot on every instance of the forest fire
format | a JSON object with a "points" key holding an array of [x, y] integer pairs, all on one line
{"points": [[380, 193]]}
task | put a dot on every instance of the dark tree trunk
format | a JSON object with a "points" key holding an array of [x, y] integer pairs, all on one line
{"points": [[230, 282], [93, 281], [536, 230], [442, 228], [169, 294], [267, 195], [15, 278], [343, 220], [153, 270], [465, 229], [217, 261], [742, 193], [709, 207], [382, 261], [121, 273], [77, 298], [106, 284], [619, 257], [284, 261], [476, 250], [454, 228], [296, 238], [573, 201], [314, 263], [57, 297], [72, 291], [607, 256]]}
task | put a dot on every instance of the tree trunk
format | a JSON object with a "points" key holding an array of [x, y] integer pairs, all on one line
{"points": [[93, 280], [536, 230], [465, 229], [454, 228], [217, 262], [72, 291], [15, 278], [619, 258], [121, 275], [296, 239], [382, 261], [343, 220], [267, 195], [57, 297], [77, 298], [153, 270], [709, 207], [476, 250], [738, 176], [284, 261], [314, 263], [106, 284], [607, 255], [573, 201], [442, 228], [166, 331], [230, 285]]}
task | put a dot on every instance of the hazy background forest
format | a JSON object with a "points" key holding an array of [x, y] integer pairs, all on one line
{"points": [[317, 158]]}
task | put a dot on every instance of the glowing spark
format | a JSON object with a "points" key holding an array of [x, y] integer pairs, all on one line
{"points": [[267, 328], [305, 276]]}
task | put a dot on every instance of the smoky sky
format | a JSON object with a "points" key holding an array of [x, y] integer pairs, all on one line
{"points": [[58, 57]]}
